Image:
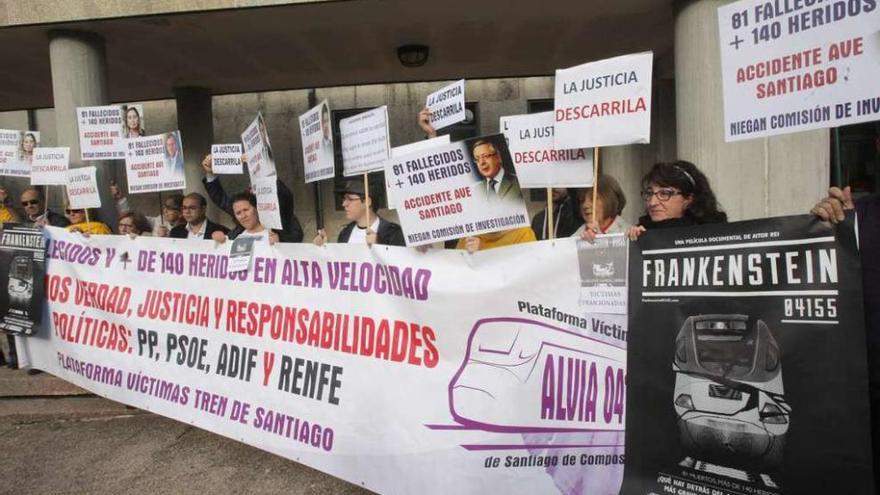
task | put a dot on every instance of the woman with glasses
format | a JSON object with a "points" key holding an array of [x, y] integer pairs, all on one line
{"points": [[134, 224], [676, 194], [80, 222]]}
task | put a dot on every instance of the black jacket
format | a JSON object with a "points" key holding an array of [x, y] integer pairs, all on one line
{"points": [[180, 231], [292, 230], [566, 218], [55, 220], [389, 234]]}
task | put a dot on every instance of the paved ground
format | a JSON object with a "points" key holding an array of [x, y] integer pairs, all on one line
{"points": [[56, 438]]}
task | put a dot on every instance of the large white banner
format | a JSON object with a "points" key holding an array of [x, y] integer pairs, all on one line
{"points": [[456, 190], [798, 66], [155, 163], [604, 103], [101, 133], [317, 143], [447, 105], [399, 371], [365, 141], [537, 161]]}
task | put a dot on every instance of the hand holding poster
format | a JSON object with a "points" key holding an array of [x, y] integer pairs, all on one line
{"points": [[604, 103], [810, 65], [155, 163], [82, 188], [747, 367], [226, 159], [317, 143], [258, 150], [447, 105], [269, 211], [365, 142], [457, 190], [538, 163], [100, 133], [17, 152], [50, 166]]}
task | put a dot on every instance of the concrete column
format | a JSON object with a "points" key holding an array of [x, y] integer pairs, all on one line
{"points": [[752, 179], [195, 119], [79, 78]]}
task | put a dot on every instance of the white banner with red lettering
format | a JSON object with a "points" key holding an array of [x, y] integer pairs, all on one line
{"points": [[399, 371]]}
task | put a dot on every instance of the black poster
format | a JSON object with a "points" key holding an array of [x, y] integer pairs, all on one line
{"points": [[747, 371], [22, 274]]}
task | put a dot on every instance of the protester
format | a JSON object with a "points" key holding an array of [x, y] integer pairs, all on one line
{"points": [[291, 230], [197, 225], [244, 207], [133, 128], [676, 194], [83, 223], [7, 214], [161, 224], [867, 209], [610, 201], [134, 224], [33, 202], [356, 206], [566, 217]]}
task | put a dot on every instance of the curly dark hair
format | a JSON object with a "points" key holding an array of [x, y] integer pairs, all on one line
{"points": [[687, 178]]}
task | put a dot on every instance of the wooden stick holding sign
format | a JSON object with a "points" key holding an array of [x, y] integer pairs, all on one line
{"points": [[595, 182], [550, 229], [46, 200], [367, 197]]}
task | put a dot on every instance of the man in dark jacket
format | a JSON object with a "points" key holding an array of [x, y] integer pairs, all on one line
{"points": [[566, 216], [197, 225], [33, 202], [357, 206]]}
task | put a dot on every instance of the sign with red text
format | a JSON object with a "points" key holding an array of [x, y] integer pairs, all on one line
{"points": [[226, 159], [447, 105], [456, 190], [365, 142], [406, 149], [808, 65], [155, 163], [537, 161], [305, 353], [258, 149], [604, 103], [269, 211], [49, 167], [316, 133], [100, 133], [82, 188]]}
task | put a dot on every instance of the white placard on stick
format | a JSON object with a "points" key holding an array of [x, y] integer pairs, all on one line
{"points": [[258, 149], [50, 166], [447, 105], [100, 133], [365, 143], [604, 103], [266, 190], [226, 159], [82, 188], [17, 152], [537, 162], [404, 150], [317, 143], [155, 163], [457, 190], [808, 66]]}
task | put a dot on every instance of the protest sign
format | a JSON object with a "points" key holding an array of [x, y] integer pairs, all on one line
{"points": [[447, 105], [155, 163], [604, 103], [100, 133], [268, 209], [22, 258], [50, 166], [82, 188], [538, 163], [17, 152], [807, 65], [747, 367], [226, 159], [365, 142], [457, 190], [258, 149], [603, 269], [317, 143], [303, 354], [404, 150], [241, 253]]}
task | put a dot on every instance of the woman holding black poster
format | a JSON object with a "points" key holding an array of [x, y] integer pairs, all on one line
{"points": [[676, 194]]}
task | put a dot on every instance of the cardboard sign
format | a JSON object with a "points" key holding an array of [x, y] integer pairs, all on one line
{"points": [[50, 166], [447, 105], [266, 190], [258, 149], [155, 163], [365, 142], [226, 159], [100, 133], [538, 163], [82, 188], [404, 150], [317, 143], [17, 152]]}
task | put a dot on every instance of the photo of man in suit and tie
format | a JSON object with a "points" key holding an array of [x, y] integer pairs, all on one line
{"points": [[494, 182]]}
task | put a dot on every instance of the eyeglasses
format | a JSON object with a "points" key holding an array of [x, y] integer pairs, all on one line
{"points": [[126, 225], [662, 194], [485, 155], [350, 198], [31, 202], [71, 211]]}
